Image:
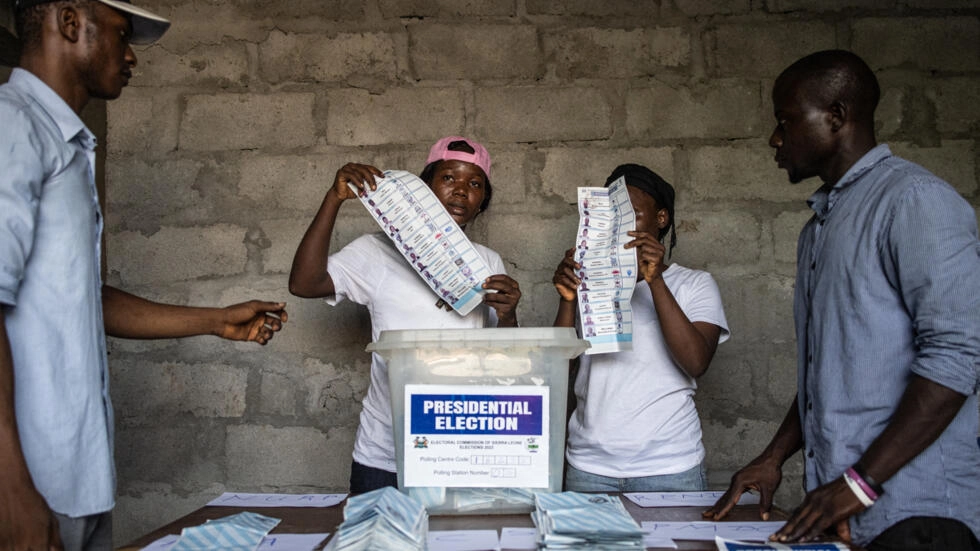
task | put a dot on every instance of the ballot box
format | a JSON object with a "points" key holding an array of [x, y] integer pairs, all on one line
{"points": [[479, 414]]}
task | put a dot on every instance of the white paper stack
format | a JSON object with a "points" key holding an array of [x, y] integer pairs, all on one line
{"points": [[572, 520], [382, 519]]}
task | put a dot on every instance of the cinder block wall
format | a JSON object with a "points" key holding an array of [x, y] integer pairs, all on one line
{"points": [[223, 146]]}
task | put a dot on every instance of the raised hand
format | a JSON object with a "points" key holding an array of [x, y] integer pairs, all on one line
{"points": [[565, 279], [650, 253], [360, 176]]}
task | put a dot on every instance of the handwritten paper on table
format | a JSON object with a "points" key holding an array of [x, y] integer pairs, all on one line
{"points": [[463, 540], [684, 499], [238, 499], [428, 237], [608, 272], [706, 531], [518, 538], [658, 542]]}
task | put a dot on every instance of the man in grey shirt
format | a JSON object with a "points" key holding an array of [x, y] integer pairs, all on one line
{"points": [[887, 312], [56, 429]]}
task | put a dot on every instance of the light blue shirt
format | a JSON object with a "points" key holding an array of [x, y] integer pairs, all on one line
{"points": [[888, 284], [50, 292]]}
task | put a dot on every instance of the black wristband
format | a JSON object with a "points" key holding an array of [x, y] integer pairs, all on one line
{"points": [[859, 469]]}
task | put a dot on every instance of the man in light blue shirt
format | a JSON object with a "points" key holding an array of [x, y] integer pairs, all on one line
{"points": [[887, 312], [56, 428]]}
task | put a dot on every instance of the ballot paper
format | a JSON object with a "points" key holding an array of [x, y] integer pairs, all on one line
{"points": [[574, 520], [608, 271], [239, 532], [271, 542], [428, 237], [382, 519]]}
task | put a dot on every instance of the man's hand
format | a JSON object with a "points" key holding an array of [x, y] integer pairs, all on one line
{"points": [[565, 279], [253, 321], [504, 301], [650, 253], [828, 506], [762, 475], [26, 522]]}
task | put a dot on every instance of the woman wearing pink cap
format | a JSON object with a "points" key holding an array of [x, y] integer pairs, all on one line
{"points": [[372, 272]]}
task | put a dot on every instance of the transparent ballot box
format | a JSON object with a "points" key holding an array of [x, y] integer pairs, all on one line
{"points": [[479, 414]]}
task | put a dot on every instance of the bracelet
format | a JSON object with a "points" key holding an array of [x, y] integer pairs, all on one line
{"points": [[860, 481], [862, 476], [853, 485]]}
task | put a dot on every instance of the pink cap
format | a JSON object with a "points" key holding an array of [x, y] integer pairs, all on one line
{"points": [[440, 152]]}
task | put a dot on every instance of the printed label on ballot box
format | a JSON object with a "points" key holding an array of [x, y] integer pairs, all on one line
{"points": [[467, 436]]}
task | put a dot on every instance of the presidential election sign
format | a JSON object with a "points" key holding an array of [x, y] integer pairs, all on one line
{"points": [[471, 436]]}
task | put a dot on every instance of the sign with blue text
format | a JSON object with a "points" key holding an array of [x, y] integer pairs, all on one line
{"points": [[470, 436]]}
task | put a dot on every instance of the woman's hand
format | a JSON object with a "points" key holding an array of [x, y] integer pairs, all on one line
{"points": [[565, 280], [362, 177], [650, 253], [504, 301]]}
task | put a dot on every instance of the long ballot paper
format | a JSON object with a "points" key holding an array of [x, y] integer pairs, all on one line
{"points": [[608, 272], [428, 237]]}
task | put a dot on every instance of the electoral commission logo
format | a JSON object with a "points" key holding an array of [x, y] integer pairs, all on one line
{"points": [[476, 414]]}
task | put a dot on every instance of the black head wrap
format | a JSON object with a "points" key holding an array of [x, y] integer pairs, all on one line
{"points": [[649, 182]]}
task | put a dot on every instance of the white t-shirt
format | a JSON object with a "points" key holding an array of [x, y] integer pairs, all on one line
{"points": [[370, 271], [635, 414]]}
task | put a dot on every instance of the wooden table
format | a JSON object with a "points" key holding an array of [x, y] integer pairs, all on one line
{"points": [[300, 520]]}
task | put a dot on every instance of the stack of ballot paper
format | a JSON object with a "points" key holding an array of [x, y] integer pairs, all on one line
{"points": [[572, 520], [382, 519]]}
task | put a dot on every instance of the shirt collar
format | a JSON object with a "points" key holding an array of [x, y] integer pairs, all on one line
{"points": [[70, 125], [824, 199]]}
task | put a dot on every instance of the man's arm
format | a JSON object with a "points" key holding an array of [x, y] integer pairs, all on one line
{"points": [[129, 316], [26, 522], [924, 412], [764, 473]]}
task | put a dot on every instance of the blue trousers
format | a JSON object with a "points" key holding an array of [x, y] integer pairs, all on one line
{"points": [[691, 480]]}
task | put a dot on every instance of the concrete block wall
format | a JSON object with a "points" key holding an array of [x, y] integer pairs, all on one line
{"points": [[230, 133]]}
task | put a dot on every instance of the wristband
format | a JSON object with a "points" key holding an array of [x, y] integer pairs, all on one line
{"points": [[860, 481], [858, 492], [862, 476]]}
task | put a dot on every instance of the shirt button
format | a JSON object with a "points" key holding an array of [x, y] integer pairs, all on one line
{"points": [[809, 406], [813, 266], [809, 453]]}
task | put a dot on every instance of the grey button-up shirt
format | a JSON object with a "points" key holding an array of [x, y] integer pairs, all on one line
{"points": [[50, 292], [888, 284]]}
